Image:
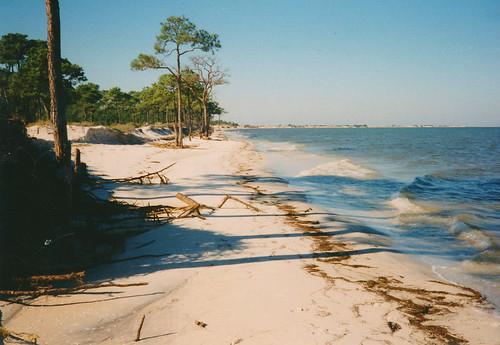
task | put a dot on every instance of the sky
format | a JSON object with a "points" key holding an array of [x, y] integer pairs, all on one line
{"points": [[303, 62]]}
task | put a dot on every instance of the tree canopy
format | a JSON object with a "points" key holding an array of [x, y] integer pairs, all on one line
{"points": [[178, 36], [24, 89]]}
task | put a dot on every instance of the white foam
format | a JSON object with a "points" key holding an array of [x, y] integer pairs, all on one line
{"points": [[350, 190], [280, 147], [484, 268], [473, 236], [342, 168], [476, 238], [405, 206]]}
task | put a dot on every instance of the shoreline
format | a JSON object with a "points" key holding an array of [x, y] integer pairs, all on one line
{"points": [[242, 127], [287, 273]]}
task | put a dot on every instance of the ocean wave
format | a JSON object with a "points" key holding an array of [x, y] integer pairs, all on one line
{"points": [[460, 226], [406, 206], [351, 190], [480, 268], [469, 233], [476, 238], [280, 147], [439, 186], [342, 168]]}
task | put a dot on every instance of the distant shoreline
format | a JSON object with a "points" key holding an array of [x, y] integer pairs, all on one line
{"points": [[352, 126]]}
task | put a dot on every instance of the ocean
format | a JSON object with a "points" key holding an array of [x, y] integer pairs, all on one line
{"points": [[435, 192]]}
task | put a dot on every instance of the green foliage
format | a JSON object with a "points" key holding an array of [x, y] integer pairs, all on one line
{"points": [[178, 36], [225, 123], [144, 62], [13, 50], [86, 98], [24, 90], [179, 32]]}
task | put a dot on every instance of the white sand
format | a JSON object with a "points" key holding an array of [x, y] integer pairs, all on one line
{"points": [[251, 277]]}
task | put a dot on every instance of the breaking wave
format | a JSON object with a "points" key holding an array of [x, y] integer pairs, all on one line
{"points": [[342, 168], [406, 206], [280, 147]]}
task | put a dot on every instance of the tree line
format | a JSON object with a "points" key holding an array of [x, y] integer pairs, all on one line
{"points": [[182, 98]]}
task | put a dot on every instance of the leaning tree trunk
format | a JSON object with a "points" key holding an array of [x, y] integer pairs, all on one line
{"points": [[62, 147]]}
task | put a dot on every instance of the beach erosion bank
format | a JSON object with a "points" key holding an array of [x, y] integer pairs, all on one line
{"points": [[287, 273]]}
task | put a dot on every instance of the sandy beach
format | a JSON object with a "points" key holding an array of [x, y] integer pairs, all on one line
{"points": [[283, 274]]}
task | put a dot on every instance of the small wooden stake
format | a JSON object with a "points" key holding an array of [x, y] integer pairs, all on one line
{"points": [[138, 336], [77, 162]]}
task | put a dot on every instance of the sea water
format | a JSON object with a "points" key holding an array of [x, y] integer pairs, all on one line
{"points": [[435, 192]]}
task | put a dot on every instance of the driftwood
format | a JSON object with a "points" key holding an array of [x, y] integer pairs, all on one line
{"points": [[193, 207], [63, 291], [75, 276], [187, 200], [146, 178], [27, 338], [138, 335], [227, 197], [139, 257]]}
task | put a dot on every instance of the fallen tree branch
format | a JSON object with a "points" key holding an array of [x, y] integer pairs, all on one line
{"points": [[139, 257], [24, 337], [74, 276], [227, 197], [193, 207], [62, 291], [138, 335], [144, 179]]}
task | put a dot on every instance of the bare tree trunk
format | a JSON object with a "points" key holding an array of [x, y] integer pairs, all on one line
{"points": [[62, 146], [188, 112], [190, 126], [205, 120], [179, 101]]}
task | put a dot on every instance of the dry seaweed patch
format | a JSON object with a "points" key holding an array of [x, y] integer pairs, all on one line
{"points": [[172, 145], [418, 314], [417, 303], [321, 242], [474, 294]]}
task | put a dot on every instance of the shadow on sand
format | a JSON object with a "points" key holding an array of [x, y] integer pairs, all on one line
{"points": [[177, 247]]}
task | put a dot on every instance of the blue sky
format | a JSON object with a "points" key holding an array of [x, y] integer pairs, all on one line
{"points": [[328, 62]]}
